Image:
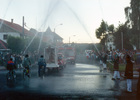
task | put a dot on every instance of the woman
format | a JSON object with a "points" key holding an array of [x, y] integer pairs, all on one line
{"points": [[129, 73]]}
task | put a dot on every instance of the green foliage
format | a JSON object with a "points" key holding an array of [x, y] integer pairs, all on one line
{"points": [[16, 44], [34, 44], [122, 30], [111, 28], [133, 19], [103, 30]]}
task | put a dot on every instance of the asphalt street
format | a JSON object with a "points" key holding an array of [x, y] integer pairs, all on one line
{"points": [[80, 81]]}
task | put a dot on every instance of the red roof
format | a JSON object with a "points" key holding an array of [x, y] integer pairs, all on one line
{"points": [[16, 27], [3, 45]]}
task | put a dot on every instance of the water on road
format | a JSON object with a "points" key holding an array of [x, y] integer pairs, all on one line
{"points": [[75, 80]]}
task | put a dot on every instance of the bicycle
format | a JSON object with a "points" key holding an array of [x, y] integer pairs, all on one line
{"points": [[42, 71], [26, 73], [11, 77]]}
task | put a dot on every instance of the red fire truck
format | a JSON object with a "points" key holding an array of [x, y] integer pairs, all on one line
{"points": [[70, 55]]}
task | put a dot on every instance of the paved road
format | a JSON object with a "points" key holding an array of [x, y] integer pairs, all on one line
{"points": [[80, 81]]}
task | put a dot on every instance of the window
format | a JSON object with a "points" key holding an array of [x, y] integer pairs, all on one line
{"points": [[5, 37]]}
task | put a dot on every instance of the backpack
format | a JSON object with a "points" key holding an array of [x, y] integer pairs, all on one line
{"points": [[41, 62]]}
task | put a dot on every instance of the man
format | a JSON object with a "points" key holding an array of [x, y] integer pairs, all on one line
{"points": [[27, 63], [129, 73], [105, 61], [11, 66], [41, 62], [116, 69]]}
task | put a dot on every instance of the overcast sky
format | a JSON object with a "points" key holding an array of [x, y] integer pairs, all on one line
{"points": [[80, 18]]}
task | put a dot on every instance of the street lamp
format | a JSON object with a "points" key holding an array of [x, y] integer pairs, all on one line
{"points": [[70, 37], [57, 26]]}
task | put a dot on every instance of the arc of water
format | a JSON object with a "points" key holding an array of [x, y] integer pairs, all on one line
{"points": [[54, 5], [50, 10], [30, 42], [84, 27], [6, 12], [105, 24]]}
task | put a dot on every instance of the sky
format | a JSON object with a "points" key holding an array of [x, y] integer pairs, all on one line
{"points": [[74, 20]]}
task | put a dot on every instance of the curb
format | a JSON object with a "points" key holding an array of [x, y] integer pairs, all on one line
{"points": [[2, 68]]}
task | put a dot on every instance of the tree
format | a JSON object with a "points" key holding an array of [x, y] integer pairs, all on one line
{"points": [[133, 19], [102, 31], [122, 29], [33, 46], [16, 44]]}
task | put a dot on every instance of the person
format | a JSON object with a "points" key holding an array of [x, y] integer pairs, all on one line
{"points": [[27, 63], [138, 84], [100, 59], [129, 73], [105, 61], [11, 66], [41, 62], [116, 69]]}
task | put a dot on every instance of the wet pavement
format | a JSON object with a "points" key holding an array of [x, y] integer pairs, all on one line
{"points": [[80, 81]]}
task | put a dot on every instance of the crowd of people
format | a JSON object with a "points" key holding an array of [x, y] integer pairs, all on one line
{"points": [[111, 55], [17, 58], [116, 57]]}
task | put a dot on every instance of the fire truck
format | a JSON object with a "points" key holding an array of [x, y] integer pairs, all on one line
{"points": [[50, 54], [61, 57], [70, 55]]}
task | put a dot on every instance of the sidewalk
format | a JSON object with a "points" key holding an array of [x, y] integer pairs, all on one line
{"points": [[129, 96], [2, 68]]}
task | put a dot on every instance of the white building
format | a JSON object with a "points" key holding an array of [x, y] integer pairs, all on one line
{"points": [[110, 42], [11, 29], [51, 38]]}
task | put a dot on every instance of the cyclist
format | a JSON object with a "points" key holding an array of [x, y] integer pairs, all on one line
{"points": [[41, 62], [27, 63], [11, 66]]}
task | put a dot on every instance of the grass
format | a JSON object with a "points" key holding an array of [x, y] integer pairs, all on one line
{"points": [[121, 67]]}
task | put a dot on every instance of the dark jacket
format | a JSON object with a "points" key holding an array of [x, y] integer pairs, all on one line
{"points": [[10, 65], [116, 64], [105, 59], [129, 68], [41, 62]]}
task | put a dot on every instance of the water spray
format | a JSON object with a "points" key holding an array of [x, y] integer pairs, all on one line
{"points": [[50, 10], [30, 43], [82, 24], [5, 12]]}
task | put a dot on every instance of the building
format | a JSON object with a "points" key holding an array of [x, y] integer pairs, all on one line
{"points": [[110, 42], [51, 38], [10, 28]]}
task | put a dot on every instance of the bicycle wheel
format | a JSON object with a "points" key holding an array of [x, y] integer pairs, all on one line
{"points": [[11, 78], [41, 72]]}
